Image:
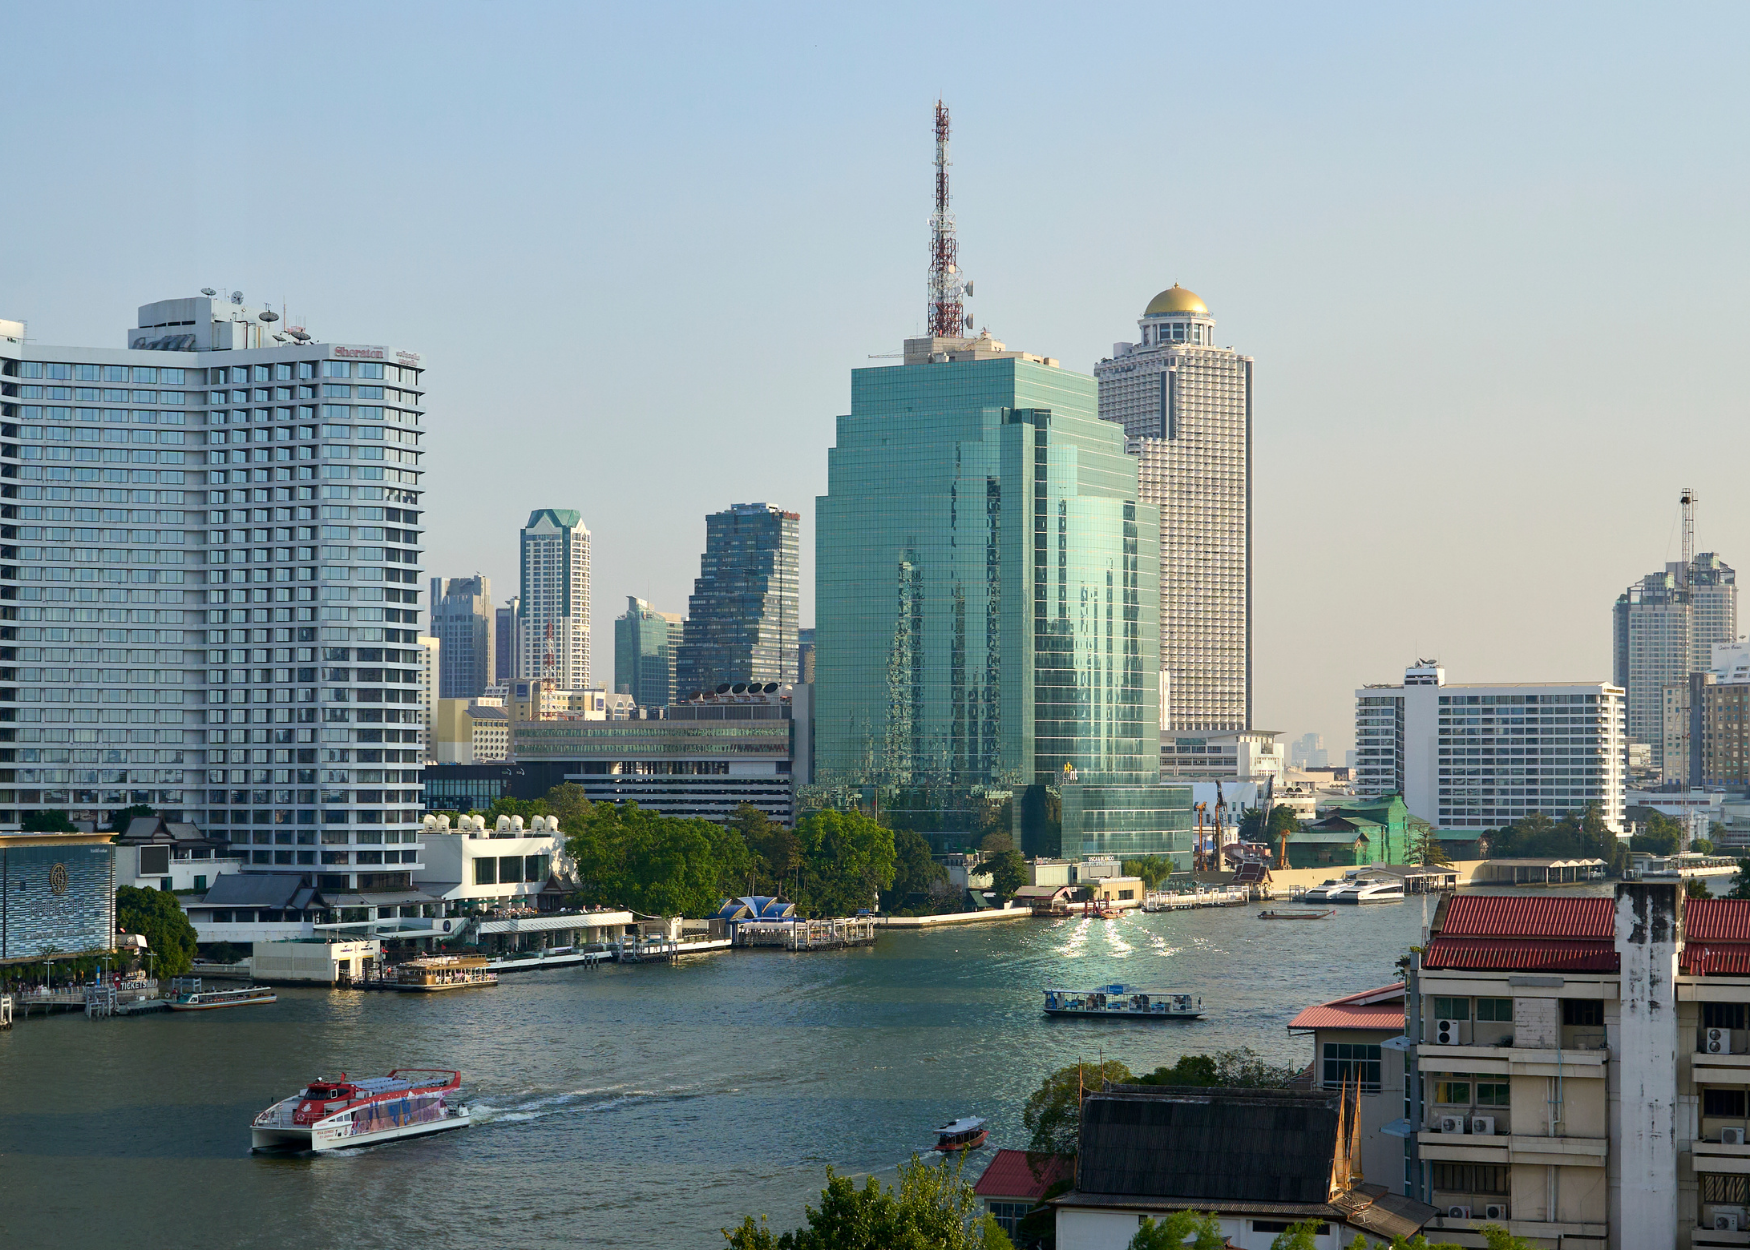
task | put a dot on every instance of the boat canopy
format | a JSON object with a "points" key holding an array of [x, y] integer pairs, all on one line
{"points": [[968, 1124]]}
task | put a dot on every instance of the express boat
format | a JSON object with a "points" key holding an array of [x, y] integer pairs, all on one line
{"points": [[194, 998], [328, 1114], [966, 1133], [1124, 1002]]}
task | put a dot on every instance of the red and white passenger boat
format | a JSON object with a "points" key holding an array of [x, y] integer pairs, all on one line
{"points": [[330, 1114]]}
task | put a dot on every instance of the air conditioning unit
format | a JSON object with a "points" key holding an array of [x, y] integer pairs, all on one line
{"points": [[1731, 1137], [1458, 1213], [1483, 1125], [1452, 1124], [1725, 1222], [1719, 1041], [1496, 1211], [1446, 1032]]}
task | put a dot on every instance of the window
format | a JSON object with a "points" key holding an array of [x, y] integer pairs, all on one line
{"points": [[1716, 1187], [1494, 1093], [1009, 1214], [1347, 1062], [1722, 1015], [1726, 1102], [1583, 1012], [1452, 1009], [1498, 1009], [485, 871], [1473, 1178], [336, 369]]}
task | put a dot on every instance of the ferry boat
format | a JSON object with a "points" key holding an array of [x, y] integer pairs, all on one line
{"points": [[194, 998], [966, 1133], [1124, 1002], [329, 1114], [436, 973], [1358, 887]]}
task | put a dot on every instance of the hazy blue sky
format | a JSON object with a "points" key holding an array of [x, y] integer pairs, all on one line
{"points": [[1491, 263]]}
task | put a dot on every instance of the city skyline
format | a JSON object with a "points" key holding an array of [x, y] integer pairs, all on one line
{"points": [[1408, 185]]}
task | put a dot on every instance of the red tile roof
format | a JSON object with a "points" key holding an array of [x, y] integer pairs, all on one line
{"points": [[1716, 920], [1494, 916], [1715, 959], [1521, 954], [1382, 1008], [1011, 1176]]}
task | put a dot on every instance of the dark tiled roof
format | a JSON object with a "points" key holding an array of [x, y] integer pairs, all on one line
{"points": [[1493, 916], [1010, 1175], [1210, 1145], [1520, 954], [255, 889]]}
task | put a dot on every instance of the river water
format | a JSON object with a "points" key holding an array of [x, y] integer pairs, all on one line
{"points": [[632, 1106]]}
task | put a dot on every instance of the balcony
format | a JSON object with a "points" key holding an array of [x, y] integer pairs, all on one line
{"points": [[1519, 1060], [1588, 1152]]}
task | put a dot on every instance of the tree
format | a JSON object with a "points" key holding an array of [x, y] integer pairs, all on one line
{"points": [[118, 823], [996, 842], [1702, 846], [48, 821], [1741, 882], [568, 802], [846, 858], [1661, 834], [1695, 887], [915, 870], [1301, 1236], [932, 1208], [1053, 1114], [1184, 1230], [773, 851], [1153, 869], [628, 856], [157, 915], [1425, 848], [1008, 872], [1235, 1069]]}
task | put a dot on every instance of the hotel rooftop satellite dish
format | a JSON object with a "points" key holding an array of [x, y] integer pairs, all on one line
{"points": [[268, 314], [207, 290], [236, 297]]}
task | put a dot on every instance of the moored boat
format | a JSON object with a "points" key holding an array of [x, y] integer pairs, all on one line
{"points": [[1297, 915], [1124, 1002], [966, 1133], [329, 1114], [194, 998], [435, 973]]}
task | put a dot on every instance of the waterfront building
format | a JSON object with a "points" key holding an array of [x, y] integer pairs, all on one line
{"points": [[1664, 627], [1286, 1156], [991, 628], [215, 601], [158, 854], [1353, 1050], [702, 757], [504, 866], [742, 614], [60, 895], [1376, 831], [1240, 755], [553, 608], [504, 641], [1185, 406], [1013, 1183], [1578, 1067], [462, 620], [1471, 756], [430, 662], [646, 647]]}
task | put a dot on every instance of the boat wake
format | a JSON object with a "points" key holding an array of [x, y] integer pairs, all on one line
{"points": [[578, 1101]]}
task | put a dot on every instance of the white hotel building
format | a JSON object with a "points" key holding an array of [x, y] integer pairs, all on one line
{"points": [[1476, 757], [209, 586]]}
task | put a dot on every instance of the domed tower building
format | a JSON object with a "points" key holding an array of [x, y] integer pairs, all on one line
{"points": [[1186, 408]]}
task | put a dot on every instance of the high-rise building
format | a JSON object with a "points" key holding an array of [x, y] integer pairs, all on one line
{"points": [[805, 656], [553, 609], [741, 616], [645, 646], [989, 625], [430, 667], [214, 603], [1663, 628], [1186, 409], [462, 618], [504, 642], [1308, 751], [1473, 757]]}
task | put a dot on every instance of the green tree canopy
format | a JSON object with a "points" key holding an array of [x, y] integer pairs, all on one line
{"points": [[1053, 1114], [915, 870], [169, 935], [629, 856], [47, 821], [1185, 1230], [1153, 869], [1660, 834], [1243, 1068], [932, 1208], [1741, 882], [118, 823], [774, 851], [846, 858], [568, 802], [1008, 872]]}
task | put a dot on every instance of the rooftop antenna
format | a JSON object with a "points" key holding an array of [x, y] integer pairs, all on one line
{"points": [[945, 315], [1688, 500]]}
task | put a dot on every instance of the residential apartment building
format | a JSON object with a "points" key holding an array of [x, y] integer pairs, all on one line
{"points": [[213, 600], [1242, 755], [742, 615], [463, 620], [1664, 627], [1578, 1069], [646, 647], [1477, 756], [553, 608], [1186, 408]]}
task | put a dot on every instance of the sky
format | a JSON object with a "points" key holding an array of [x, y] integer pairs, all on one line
{"points": [[1490, 261]]}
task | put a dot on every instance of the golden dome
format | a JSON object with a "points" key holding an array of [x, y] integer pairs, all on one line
{"points": [[1175, 299]]}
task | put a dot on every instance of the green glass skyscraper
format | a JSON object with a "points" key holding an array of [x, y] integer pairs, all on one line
{"points": [[987, 603]]}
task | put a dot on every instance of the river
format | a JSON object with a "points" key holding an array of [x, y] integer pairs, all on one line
{"points": [[638, 1106]]}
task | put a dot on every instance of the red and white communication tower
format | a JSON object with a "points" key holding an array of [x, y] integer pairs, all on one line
{"points": [[947, 316]]}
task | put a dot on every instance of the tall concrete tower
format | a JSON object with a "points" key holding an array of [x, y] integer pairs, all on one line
{"points": [[553, 609], [1186, 408]]}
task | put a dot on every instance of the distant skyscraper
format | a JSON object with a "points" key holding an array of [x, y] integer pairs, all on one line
{"points": [[1663, 628], [553, 609], [1308, 751], [462, 620], [1186, 407], [645, 645], [805, 656], [741, 616], [504, 642]]}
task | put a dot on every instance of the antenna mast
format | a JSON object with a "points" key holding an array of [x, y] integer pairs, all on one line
{"points": [[946, 314], [1688, 500]]}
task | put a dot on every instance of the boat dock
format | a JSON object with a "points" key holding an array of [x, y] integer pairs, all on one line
{"points": [[806, 935], [1202, 896]]}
